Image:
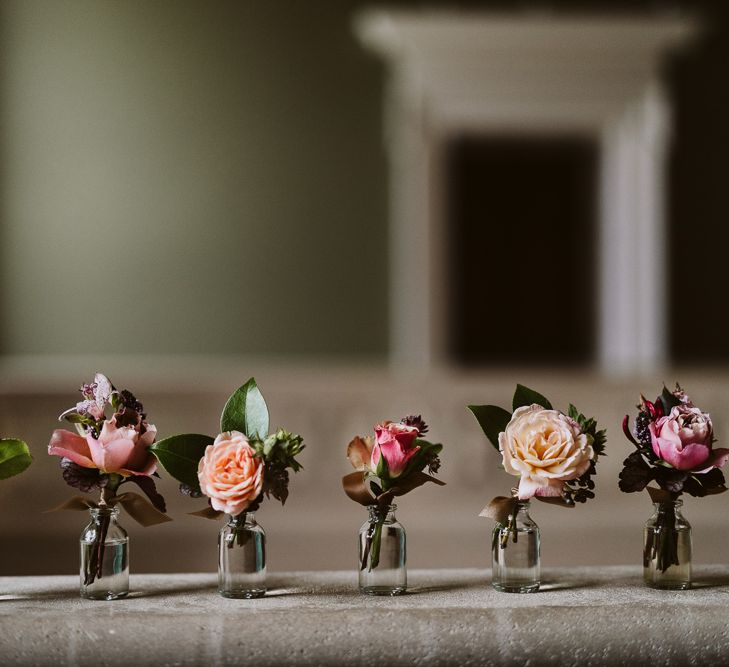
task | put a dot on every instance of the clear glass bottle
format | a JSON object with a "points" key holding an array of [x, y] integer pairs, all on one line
{"points": [[382, 557], [104, 556], [515, 552], [242, 558], [667, 548]]}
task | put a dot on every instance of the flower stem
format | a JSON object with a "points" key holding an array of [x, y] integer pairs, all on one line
{"points": [[510, 529], [95, 566], [662, 544], [373, 540]]}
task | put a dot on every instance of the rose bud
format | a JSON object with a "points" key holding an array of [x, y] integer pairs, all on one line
{"points": [[394, 442]]}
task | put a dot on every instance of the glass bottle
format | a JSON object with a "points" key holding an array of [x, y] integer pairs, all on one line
{"points": [[382, 555], [667, 547], [104, 556], [242, 558], [516, 553]]}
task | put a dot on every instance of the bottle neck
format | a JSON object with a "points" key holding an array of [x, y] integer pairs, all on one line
{"points": [[668, 505], [382, 514], [104, 512], [242, 519], [522, 507]]}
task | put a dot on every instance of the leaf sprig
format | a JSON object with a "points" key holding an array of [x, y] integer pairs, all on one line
{"points": [[245, 411]]}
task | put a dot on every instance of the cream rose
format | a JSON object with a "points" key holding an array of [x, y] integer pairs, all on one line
{"points": [[230, 474], [545, 448]]}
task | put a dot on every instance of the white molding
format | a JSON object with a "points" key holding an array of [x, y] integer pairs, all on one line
{"points": [[456, 73]]}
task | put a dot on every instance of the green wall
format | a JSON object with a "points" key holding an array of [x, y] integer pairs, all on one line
{"points": [[189, 177]]}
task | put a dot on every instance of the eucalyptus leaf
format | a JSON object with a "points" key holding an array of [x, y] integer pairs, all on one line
{"points": [[180, 455], [492, 419], [246, 412], [524, 396], [14, 457]]}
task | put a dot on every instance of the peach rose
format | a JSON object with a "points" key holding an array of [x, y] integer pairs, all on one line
{"points": [[230, 474], [545, 448]]}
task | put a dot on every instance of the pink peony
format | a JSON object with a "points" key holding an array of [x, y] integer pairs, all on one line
{"points": [[118, 449], [394, 441], [683, 438], [230, 474]]}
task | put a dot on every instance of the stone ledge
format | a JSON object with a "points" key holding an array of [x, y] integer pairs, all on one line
{"points": [[586, 616]]}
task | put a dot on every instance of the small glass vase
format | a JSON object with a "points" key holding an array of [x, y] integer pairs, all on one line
{"points": [[667, 548], [515, 553], [104, 556], [242, 558], [382, 554]]}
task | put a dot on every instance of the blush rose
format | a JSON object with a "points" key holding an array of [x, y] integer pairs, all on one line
{"points": [[123, 450], [545, 449], [230, 474]]}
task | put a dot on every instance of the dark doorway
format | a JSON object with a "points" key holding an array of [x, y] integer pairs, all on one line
{"points": [[522, 259]]}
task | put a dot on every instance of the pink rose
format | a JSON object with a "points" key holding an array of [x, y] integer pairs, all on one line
{"points": [[683, 438], [394, 441], [230, 474], [123, 450]]}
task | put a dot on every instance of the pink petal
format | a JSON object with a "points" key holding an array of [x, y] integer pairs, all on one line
{"points": [[397, 458], [552, 489], [72, 446], [149, 435], [691, 456], [529, 487], [717, 459], [720, 456], [113, 456]]}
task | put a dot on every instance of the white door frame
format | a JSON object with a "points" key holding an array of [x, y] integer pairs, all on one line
{"points": [[458, 73]]}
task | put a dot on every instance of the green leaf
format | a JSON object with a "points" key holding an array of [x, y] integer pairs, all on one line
{"points": [[668, 399], [524, 396], [382, 471], [492, 419], [246, 412], [14, 457], [599, 444], [181, 454], [420, 460]]}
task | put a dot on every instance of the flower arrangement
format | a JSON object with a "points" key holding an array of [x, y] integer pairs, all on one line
{"points": [[674, 450], [106, 453], [235, 471], [14, 457], [390, 464], [553, 453], [239, 467]]}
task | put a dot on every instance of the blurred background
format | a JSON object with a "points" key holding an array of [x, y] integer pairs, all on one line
{"points": [[375, 211]]}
